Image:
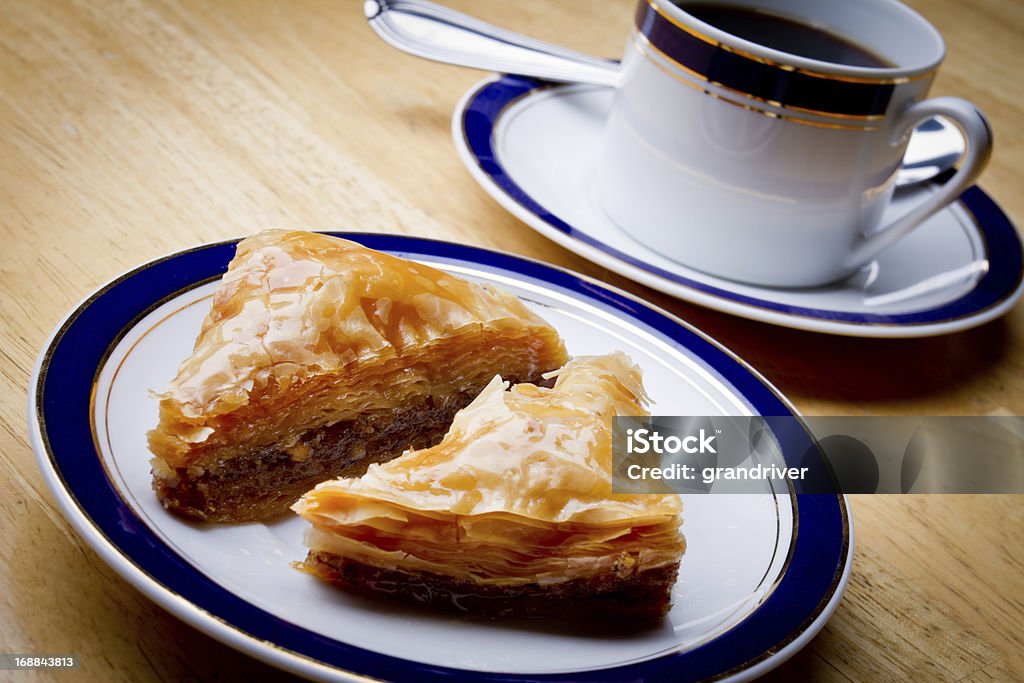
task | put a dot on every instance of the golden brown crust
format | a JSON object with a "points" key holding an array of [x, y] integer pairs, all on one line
{"points": [[517, 493], [307, 331]]}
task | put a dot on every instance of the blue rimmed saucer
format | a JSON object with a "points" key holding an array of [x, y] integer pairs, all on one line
{"points": [[761, 575], [533, 147]]}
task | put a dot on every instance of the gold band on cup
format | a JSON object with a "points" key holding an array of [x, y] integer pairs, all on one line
{"points": [[765, 80]]}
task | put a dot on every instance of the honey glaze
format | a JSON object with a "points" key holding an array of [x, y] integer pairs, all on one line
{"points": [[518, 491], [306, 330]]}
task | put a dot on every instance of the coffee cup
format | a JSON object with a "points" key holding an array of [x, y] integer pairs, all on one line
{"points": [[759, 140]]}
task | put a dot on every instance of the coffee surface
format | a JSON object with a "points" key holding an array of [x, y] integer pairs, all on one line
{"points": [[786, 34]]}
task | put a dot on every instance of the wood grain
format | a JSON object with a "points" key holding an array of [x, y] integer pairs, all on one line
{"points": [[129, 129]]}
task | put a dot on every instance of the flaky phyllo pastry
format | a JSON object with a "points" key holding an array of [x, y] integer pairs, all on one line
{"points": [[320, 356], [512, 513]]}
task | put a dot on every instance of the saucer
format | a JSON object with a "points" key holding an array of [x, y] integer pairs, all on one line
{"points": [[532, 146]]}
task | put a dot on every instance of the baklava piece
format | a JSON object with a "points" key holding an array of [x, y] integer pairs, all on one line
{"points": [[512, 514], [320, 356]]}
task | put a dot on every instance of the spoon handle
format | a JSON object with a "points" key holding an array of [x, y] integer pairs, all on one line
{"points": [[428, 30]]}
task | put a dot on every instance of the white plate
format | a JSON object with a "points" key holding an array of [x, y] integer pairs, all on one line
{"points": [[761, 575], [533, 147]]}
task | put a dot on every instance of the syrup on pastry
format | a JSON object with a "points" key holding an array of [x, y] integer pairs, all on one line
{"points": [[517, 494], [307, 332]]}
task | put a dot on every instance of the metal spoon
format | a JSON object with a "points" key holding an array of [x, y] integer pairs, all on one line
{"points": [[444, 35], [429, 30]]}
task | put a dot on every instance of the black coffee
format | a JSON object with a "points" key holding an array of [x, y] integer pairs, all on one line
{"points": [[786, 34]]}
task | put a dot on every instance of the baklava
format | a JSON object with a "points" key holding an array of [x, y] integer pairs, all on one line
{"points": [[512, 514], [320, 356]]}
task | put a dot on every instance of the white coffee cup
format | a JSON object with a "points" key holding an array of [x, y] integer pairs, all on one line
{"points": [[766, 167]]}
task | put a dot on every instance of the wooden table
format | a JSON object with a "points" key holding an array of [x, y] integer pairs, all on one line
{"points": [[130, 129]]}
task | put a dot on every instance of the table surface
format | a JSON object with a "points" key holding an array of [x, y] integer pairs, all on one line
{"points": [[130, 129]]}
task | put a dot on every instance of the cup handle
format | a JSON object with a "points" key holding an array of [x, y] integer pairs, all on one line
{"points": [[978, 136]]}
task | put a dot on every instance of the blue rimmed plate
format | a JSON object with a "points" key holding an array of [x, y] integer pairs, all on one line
{"points": [[761, 575], [533, 147]]}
